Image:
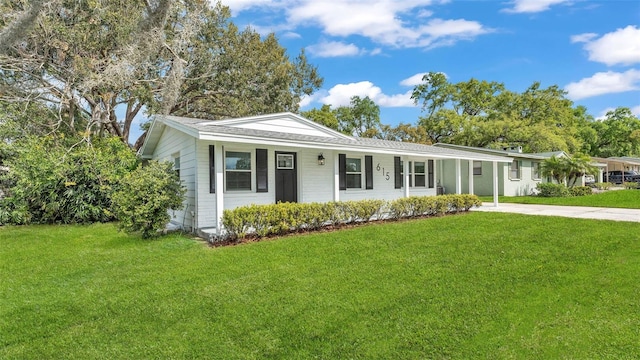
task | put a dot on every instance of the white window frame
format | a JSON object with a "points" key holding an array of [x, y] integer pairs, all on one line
{"points": [[535, 170], [414, 174], [361, 172], [176, 163], [286, 166], [477, 167], [518, 170], [250, 170]]}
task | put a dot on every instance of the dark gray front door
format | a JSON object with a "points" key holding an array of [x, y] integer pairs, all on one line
{"points": [[286, 177]]}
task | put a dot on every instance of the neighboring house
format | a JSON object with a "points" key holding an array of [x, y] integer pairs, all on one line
{"points": [[518, 177], [284, 157], [619, 163]]}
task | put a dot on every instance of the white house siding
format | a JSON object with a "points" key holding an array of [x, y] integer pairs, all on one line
{"points": [[172, 142], [315, 182], [523, 186], [483, 184], [383, 180], [206, 208]]}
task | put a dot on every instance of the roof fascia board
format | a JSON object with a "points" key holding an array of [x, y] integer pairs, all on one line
{"points": [[339, 147]]}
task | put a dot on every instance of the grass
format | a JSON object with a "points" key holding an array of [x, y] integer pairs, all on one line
{"points": [[479, 285], [628, 199]]}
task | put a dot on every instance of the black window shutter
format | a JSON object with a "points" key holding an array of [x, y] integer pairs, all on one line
{"points": [[430, 170], [262, 171], [342, 170], [397, 172], [368, 171], [212, 169]]}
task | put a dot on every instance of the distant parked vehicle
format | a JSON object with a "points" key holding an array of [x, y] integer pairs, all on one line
{"points": [[615, 176]]}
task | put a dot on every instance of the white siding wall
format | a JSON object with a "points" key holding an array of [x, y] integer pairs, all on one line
{"points": [[206, 210], [315, 182], [171, 142], [523, 186], [383, 180]]}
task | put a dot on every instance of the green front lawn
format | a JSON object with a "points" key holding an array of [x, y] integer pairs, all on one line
{"points": [[628, 199], [478, 285]]}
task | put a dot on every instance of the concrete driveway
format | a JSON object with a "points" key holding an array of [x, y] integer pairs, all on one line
{"points": [[582, 212]]}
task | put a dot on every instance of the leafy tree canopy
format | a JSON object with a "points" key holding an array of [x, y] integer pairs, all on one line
{"points": [[88, 59], [485, 114], [617, 135]]}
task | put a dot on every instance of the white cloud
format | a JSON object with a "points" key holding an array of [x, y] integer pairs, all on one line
{"points": [[586, 37], [603, 114], [532, 6], [619, 47], [340, 95], [604, 83], [291, 35], [237, 6], [383, 21], [413, 80], [333, 49]]}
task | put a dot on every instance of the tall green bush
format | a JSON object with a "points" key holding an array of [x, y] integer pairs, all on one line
{"points": [[51, 182], [145, 196]]}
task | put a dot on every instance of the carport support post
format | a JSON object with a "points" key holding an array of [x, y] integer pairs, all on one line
{"points": [[407, 175], [495, 183], [219, 168], [470, 177], [458, 177]]}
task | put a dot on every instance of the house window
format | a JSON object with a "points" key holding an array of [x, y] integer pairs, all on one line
{"points": [[237, 170], [419, 174], [176, 163], [285, 161], [535, 170], [354, 173], [477, 167], [514, 170]]}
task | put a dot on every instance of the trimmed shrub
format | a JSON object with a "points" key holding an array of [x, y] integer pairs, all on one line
{"points": [[145, 196], [552, 190], [630, 185], [580, 191], [282, 218]]}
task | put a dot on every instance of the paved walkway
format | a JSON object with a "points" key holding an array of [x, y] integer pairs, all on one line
{"points": [[581, 212]]}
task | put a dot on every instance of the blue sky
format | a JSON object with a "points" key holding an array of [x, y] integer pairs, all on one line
{"points": [[381, 48]]}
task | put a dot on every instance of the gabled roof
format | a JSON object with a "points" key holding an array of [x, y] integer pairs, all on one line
{"points": [[287, 129], [549, 154], [509, 153]]}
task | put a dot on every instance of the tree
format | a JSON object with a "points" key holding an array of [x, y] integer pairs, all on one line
{"points": [[405, 133], [617, 135], [485, 114], [62, 181], [360, 118], [323, 116], [568, 170], [90, 59], [554, 168]]}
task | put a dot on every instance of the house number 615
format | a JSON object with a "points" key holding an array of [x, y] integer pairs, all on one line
{"points": [[384, 173]]}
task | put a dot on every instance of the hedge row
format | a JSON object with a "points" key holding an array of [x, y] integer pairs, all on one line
{"points": [[560, 190], [282, 218]]}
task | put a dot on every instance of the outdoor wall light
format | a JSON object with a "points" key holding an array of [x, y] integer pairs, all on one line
{"points": [[320, 159]]}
